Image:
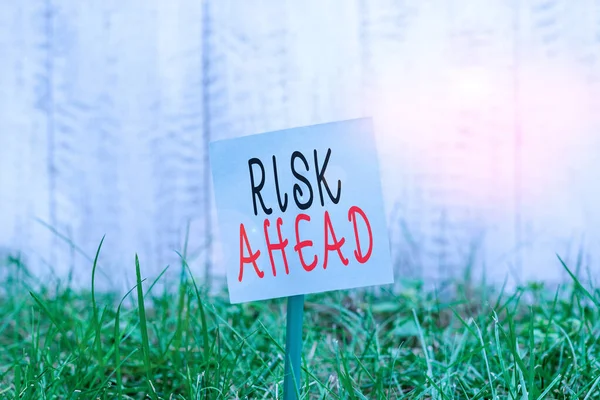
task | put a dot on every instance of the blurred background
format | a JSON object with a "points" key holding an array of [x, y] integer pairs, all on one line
{"points": [[487, 117]]}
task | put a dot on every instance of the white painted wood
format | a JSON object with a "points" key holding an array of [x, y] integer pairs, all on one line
{"points": [[102, 123]]}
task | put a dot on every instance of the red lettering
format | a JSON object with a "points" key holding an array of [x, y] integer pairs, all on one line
{"points": [[352, 218], [276, 246], [362, 252], [337, 245], [305, 243], [253, 256]]}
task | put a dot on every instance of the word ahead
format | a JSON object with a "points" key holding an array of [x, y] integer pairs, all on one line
{"points": [[334, 245], [302, 207]]}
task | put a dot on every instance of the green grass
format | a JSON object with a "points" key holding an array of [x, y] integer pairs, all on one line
{"points": [[479, 343]]}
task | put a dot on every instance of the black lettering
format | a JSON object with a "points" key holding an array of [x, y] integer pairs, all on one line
{"points": [[297, 190], [283, 206], [321, 179], [256, 189]]}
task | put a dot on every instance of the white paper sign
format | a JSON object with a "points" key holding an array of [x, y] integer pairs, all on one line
{"points": [[301, 211]]}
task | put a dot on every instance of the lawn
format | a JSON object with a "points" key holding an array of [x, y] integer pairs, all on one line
{"points": [[469, 341]]}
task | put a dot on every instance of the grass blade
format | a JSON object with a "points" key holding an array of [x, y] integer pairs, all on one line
{"points": [[591, 391], [207, 349], [117, 334], [144, 329], [578, 283], [96, 322], [53, 319], [550, 387]]}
